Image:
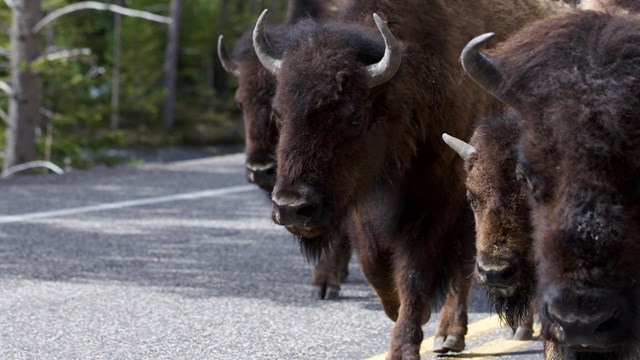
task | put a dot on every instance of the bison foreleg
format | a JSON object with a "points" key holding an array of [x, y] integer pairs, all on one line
{"points": [[331, 270], [415, 310], [453, 318]]}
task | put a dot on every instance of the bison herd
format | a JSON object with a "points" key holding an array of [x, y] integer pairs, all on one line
{"points": [[345, 108]]}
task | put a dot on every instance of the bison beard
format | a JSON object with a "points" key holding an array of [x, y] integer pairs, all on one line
{"points": [[516, 308], [313, 248]]}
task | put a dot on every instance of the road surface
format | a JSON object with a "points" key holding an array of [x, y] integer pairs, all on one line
{"points": [[180, 261]]}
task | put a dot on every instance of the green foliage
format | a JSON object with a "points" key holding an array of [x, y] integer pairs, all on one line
{"points": [[77, 91]]}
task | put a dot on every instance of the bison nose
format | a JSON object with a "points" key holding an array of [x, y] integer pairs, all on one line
{"points": [[595, 321], [302, 208], [503, 276], [300, 214], [263, 175]]}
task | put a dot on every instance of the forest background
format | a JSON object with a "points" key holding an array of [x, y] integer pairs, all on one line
{"points": [[101, 77]]}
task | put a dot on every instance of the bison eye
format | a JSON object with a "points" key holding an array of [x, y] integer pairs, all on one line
{"points": [[275, 117], [527, 180], [355, 121], [472, 199]]}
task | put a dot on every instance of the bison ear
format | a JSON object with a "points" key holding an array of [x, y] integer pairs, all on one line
{"points": [[462, 148]]}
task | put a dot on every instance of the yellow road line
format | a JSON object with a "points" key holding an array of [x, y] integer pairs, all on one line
{"points": [[476, 328], [497, 347]]}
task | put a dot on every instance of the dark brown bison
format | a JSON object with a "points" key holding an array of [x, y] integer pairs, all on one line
{"points": [[504, 260], [359, 116], [254, 94], [575, 81]]}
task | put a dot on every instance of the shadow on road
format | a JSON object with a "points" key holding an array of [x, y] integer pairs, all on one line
{"points": [[214, 247]]}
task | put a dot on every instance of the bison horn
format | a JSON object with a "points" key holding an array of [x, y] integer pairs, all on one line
{"points": [[270, 63], [481, 70], [462, 148], [227, 62], [382, 71]]}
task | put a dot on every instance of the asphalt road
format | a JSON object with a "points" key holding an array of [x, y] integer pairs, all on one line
{"points": [[178, 261]]}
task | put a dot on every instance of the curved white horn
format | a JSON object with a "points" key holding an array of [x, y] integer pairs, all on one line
{"points": [[270, 63], [462, 148], [481, 70], [227, 62], [384, 70]]}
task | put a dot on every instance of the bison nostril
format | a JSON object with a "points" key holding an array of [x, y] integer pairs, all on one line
{"points": [[299, 206], [609, 324], [303, 214], [508, 273], [306, 210], [498, 277]]}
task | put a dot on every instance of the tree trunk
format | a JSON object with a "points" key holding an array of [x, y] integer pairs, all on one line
{"points": [[115, 72], [219, 74], [24, 103], [170, 67]]}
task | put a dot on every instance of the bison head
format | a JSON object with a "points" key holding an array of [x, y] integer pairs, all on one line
{"points": [[504, 263], [256, 87], [330, 144], [575, 80]]}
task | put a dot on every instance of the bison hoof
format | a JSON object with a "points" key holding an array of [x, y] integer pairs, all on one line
{"points": [[324, 293], [437, 345], [332, 294], [443, 344], [523, 333], [317, 293]]}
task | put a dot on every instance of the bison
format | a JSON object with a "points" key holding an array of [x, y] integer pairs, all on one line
{"points": [[254, 94], [575, 81], [358, 117], [504, 261]]}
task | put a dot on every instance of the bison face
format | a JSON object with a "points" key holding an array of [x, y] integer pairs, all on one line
{"points": [[504, 262], [324, 158], [255, 92], [585, 209], [256, 87]]}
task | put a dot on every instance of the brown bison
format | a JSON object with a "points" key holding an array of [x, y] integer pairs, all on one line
{"points": [[575, 81], [254, 94], [358, 117], [504, 260]]}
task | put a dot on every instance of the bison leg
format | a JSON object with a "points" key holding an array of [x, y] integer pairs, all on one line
{"points": [[331, 270], [453, 315], [414, 312], [551, 351], [378, 271], [453, 318], [343, 259], [524, 330]]}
